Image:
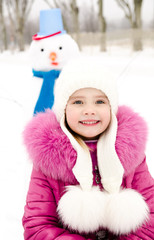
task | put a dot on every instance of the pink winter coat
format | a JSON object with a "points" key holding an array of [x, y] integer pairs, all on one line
{"points": [[54, 157]]}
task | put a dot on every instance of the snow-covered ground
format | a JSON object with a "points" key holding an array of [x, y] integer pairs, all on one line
{"points": [[18, 94]]}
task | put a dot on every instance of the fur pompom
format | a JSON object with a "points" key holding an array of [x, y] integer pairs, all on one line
{"points": [[82, 211], [125, 211], [87, 211]]}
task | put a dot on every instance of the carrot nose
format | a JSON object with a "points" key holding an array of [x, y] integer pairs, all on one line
{"points": [[53, 56]]}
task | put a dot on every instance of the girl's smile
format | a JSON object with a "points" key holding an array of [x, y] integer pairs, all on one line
{"points": [[88, 112], [89, 122]]}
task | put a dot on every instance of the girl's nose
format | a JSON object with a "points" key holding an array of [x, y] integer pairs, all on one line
{"points": [[53, 56], [89, 111]]}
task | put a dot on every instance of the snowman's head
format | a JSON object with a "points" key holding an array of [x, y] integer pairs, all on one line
{"points": [[53, 52]]}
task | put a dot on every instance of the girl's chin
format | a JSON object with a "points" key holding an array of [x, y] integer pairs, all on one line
{"points": [[90, 137]]}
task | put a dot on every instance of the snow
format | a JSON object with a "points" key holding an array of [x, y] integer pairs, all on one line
{"points": [[18, 94]]}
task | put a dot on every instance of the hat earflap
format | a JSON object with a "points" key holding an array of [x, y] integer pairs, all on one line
{"points": [[83, 166], [110, 167]]}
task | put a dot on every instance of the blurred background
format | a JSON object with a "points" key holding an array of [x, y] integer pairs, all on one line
{"points": [[90, 22]]}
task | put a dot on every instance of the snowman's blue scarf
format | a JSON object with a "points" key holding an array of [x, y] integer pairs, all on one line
{"points": [[46, 96]]}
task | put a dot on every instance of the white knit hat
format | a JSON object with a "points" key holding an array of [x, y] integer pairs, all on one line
{"points": [[86, 72], [83, 72]]}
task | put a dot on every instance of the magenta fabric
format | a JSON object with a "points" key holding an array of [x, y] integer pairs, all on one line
{"points": [[53, 159]]}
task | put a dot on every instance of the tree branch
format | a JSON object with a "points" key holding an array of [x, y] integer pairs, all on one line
{"points": [[126, 8]]}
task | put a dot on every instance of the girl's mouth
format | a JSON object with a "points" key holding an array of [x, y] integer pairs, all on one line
{"points": [[89, 122]]}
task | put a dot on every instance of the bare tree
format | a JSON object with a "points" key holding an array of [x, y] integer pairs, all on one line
{"points": [[137, 13], [132, 14], [127, 10], [3, 26], [101, 16], [18, 11], [75, 13], [102, 25], [134, 17]]}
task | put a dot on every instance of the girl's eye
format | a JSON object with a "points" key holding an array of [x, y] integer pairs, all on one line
{"points": [[42, 49], [78, 102], [99, 102], [60, 48]]}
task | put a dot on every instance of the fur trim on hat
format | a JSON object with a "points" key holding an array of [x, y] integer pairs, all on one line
{"points": [[131, 135]]}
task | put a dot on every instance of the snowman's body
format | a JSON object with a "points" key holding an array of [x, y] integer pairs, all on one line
{"points": [[48, 56]]}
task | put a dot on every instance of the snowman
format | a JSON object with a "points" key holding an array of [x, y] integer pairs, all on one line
{"points": [[50, 50]]}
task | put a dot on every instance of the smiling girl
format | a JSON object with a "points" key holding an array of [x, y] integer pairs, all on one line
{"points": [[90, 179], [88, 113]]}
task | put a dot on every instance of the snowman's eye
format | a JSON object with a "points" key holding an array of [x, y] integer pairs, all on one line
{"points": [[60, 48], [42, 49]]}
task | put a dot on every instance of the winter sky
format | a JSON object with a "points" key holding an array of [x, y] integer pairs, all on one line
{"points": [[111, 10]]}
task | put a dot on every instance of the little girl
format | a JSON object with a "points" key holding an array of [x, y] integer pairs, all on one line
{"points": [[90, 179]]}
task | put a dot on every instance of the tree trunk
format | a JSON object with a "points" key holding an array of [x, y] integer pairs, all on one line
{"points": [[137, 43], [101, 17], [75, 14], [135, 20], [137, 13], [4, 35], [18, 12], [102, 24], [137, 39], [20, 33], [20, 39]]}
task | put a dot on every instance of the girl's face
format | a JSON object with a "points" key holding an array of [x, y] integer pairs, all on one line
{"points": [[88, 113]]}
